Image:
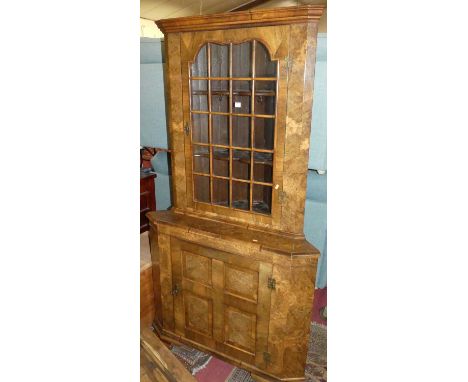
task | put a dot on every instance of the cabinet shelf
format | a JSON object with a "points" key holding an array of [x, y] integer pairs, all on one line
{"points": [[265, 93], [193, 78], [242, 159], [258, 205]]}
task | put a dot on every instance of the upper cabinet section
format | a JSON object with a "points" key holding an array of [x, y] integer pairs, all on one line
{"points": [[239, 89]]}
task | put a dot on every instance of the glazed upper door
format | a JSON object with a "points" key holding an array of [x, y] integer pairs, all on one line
{"points": [[234, 99], [221, 300]]}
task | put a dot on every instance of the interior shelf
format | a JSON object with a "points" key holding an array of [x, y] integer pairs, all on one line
{"points": [[244, 159], [257, 205], [265, 93]]}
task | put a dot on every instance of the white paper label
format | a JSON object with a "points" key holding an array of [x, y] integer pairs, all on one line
{"points": [[237, 104]]}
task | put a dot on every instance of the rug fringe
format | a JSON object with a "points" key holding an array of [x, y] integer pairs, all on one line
{"points": [[201, 367]]}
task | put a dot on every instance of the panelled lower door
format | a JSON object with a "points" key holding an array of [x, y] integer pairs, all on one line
{"points": [[221, 300]]}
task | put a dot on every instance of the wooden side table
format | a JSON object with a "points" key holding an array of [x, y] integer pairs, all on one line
{"points": [[147, 198]]}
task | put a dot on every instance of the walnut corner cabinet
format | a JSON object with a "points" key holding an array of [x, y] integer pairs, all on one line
{"points": [[233, 274]]}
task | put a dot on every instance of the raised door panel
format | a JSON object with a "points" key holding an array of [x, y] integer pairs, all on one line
{"points": [[198, 313], [196, 268], [241, 282], [240, 329]]}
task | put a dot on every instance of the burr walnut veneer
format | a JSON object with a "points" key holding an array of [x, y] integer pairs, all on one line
{"points": [[233, 274]]}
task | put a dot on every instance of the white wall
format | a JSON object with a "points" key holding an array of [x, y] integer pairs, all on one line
{"points": [[149, 29]]}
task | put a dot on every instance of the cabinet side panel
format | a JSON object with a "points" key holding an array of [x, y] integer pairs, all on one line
{"points": [[291, 307], [179, 313], [176, 119], [300, 87], [166, 281], [156, 266]]}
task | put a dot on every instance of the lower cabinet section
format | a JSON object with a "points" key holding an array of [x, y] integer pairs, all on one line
{"points": [[250, 308], [221, 300]]}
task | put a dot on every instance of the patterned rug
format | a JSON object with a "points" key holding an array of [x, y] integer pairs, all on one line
{"points": [[206, 368], [239, 375], [316, 364], [192, 359]]}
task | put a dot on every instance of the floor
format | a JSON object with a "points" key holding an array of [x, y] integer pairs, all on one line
{"points": [[215, 370]]}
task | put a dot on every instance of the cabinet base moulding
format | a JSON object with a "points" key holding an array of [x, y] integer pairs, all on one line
{"points": [[257, 375]]}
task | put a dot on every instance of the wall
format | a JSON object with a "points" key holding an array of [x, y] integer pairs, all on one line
{"points": [[149, 29], [153, 125]]}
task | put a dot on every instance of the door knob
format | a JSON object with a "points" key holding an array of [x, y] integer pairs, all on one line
{"points": [[175, 290]]}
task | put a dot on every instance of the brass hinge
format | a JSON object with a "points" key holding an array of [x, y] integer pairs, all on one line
{"points": [[175, 290], [187, 129], [267, 357], [288, 61], [271, 283]]}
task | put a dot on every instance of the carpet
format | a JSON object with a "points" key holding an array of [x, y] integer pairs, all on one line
{"points": [[206, 368], [194, 360], [239, 375], [316, 364]]}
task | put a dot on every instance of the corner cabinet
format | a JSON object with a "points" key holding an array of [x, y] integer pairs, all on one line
{"points": [[233, 274]]}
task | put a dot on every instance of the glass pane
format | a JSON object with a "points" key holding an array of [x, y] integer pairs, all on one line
{"points": [[241, 100], [200, 95], [263, 167], [265, 97], [261, 199], [222, 86], [241, 195], [242, 59], [264, 133], [219, 103], [200, 128], [264, 67], [220, 129], [200, 65], [220, 161], [241, 164], [219, 60], [241, 104], [201, 188], [267, 87], [221, 192], [201, 159], [242, 87], [240, 131]]}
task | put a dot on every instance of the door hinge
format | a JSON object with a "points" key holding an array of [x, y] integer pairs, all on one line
{"points": [[175, 290], [288, 61], [271, 283], [187, 129], [266, 357]]}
